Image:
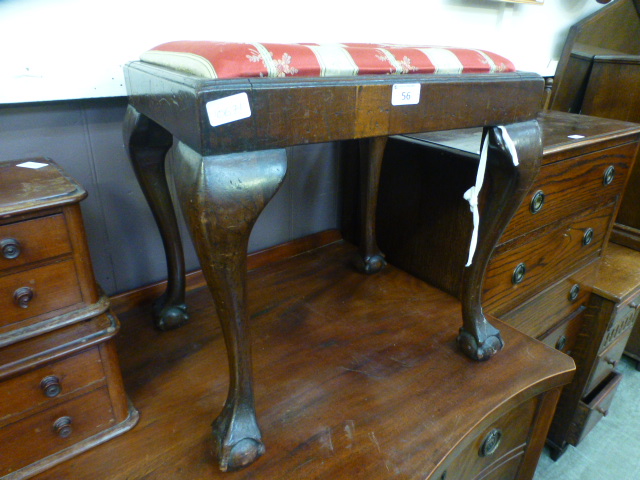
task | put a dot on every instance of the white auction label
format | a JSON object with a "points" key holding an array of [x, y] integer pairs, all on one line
{"points": [[228, 109], [34, 165], [405, 94]]}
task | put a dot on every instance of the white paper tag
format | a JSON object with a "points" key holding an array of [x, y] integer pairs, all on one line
{"points": [[34, 165], [405, 94], [576, 137], [228, 109]]}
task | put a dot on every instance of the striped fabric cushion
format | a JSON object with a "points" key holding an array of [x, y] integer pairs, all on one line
{"points": [[233, 60]]}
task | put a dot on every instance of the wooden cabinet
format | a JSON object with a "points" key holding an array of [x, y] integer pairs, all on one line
{"points": [[60, 382], [541, 275]]}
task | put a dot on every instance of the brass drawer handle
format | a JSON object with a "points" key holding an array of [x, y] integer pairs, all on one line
{"points": [[537, 202], [23, 296], [62, 427], [561, 343], [50, 386], [609, 173], [519, 273], [574, 292], [491, 443], [587, 238], [10, 248]]}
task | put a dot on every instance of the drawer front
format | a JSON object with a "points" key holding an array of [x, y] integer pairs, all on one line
{"points": [[542, 313], [592, 408], [607, 361], [564, 336], [625, 317], [34, 240], [52, 430], [50, 384], [570, 186], [542, 261], [510, 432], [42, 290]]}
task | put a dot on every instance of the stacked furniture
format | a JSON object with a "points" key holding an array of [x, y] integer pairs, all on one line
{"points": [[60, 381], [540, 278], [225, 138]]}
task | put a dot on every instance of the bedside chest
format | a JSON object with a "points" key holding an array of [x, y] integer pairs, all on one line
{"points": [[541, 274], [60, 381]]}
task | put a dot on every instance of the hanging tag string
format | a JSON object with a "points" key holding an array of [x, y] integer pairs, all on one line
{"points": [[471, 195]]}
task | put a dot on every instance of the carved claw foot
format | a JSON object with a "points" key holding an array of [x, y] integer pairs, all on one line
{"points": [[236, 441], [370, 264], [484, 350], [167, 316]]}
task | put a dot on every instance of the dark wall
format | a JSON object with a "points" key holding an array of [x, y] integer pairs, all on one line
{"points": [[85, 138]]}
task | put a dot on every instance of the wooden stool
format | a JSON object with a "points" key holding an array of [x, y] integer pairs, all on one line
{"points": [[227, 129]]}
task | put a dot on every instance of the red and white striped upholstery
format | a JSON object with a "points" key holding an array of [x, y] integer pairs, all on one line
{"points": [[232, 60]]}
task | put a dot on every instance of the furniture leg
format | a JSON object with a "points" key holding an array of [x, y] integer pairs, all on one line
{"points": [[148, 144], [510, 183], [221, 197], [371, 259]]}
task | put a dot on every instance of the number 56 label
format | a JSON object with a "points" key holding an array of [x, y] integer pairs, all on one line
{"points": [[405, 94]]}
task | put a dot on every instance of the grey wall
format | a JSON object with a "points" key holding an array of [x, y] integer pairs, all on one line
{"points": [[85, 138]]}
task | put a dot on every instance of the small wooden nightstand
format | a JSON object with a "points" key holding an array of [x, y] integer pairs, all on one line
{"points": [[60, 381]]}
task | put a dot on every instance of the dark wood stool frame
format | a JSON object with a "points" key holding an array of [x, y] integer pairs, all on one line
{"points": [[225, 175]]}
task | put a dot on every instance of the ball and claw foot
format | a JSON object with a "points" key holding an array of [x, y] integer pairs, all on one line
{"points": [[484, 351], [169, 317], [371, 264], [240, 455]]}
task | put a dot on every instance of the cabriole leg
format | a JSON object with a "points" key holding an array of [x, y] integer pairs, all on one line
{"points": [[221, 197], [371, 259], [148, 144], [510, 183]]}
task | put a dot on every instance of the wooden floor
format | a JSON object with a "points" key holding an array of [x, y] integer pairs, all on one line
{"points": [[342, 391]]}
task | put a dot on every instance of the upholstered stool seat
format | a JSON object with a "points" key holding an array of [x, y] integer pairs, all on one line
{"points": [[228, 111], [239, 60]]}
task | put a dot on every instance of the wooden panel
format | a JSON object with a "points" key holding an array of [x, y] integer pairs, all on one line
{"points": [[570, 186], [54, 287], [24, 393], [34, 437], [38, 239], [554, 253]]}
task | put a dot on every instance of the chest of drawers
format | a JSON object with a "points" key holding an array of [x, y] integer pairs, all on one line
{"points": [[540, 278], [59, 375]]}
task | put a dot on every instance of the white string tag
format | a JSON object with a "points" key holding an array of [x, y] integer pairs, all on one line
{"points": [[471, 195]]}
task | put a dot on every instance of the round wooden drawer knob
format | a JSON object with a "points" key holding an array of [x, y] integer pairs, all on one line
{"points": [[51, 386], [10, 248], [23, 296], [613, 363], [62, 427], [491, 443]]}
